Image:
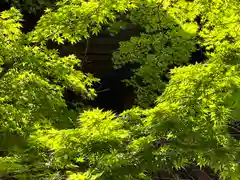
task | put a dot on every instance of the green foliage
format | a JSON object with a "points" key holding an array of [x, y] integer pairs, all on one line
{"points": [[156, 50], [168, 27], [32, 83], [200, 96], [41, 138], [220, 25], [77, 19], [189, 124]]}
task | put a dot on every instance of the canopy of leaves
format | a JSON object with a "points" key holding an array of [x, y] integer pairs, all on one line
{"points": [[41, 138], [159, 48], [32, 82]]}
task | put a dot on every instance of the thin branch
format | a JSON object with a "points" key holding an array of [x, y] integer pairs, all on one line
{"points": [[189, 175], [200, 170]]}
